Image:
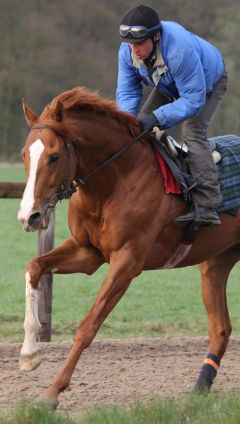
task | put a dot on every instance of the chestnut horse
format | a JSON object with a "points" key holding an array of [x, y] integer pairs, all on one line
{"points": [[121, 216]]}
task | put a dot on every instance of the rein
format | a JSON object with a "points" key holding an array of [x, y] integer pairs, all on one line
{"points": [[112, 157], [66, 193]]}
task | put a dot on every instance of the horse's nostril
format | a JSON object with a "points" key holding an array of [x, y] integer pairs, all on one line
{"points": [[35, 218]]}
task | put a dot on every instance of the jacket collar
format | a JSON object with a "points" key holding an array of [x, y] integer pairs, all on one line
{"points": [[159, 62]]}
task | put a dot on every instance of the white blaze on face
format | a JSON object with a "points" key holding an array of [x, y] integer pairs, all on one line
{"points": [[26, 206]]}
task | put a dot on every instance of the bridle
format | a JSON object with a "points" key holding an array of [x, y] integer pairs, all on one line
{"points": [[66, 192]]}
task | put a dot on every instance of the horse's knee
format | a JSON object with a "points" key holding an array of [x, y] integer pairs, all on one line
{"points": [[33, 272]]}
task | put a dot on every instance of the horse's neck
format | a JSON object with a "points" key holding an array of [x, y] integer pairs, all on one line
{"points": [[98, 140]]}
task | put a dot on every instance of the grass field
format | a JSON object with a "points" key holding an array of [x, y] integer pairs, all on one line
{"points": [[192, 409], [157, 303]]}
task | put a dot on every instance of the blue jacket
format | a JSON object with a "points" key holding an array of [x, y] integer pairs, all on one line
{"points": [[186, 68]]}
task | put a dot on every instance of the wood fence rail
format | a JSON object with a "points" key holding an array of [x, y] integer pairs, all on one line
{"points": [[45, 243], [11, 190]]}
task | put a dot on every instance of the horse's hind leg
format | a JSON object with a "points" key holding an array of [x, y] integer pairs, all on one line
{"points": [[70, 257], [214, 275]]}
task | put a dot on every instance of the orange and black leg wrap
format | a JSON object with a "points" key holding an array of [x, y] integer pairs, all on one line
{"points": [[207, 374]]}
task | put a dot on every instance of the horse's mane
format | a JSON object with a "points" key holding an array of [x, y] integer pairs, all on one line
{"points": [[81, 98]]}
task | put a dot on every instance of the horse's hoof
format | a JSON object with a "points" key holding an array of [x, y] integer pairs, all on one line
{"points": [[30, 362], [201, 389], [49, 403]]}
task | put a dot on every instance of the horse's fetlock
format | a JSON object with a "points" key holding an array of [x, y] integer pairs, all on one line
{"points": [[60, 385]]}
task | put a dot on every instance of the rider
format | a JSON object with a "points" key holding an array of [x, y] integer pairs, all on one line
{"points": [[189, 81]]}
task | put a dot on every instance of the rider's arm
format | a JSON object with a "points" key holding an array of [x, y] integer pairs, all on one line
{"points": [[187, 71], [129, 87]]}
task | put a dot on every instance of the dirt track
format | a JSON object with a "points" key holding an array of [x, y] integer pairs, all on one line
{"points": [[117, 371]]}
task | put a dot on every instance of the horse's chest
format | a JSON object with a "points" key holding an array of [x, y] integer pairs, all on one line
{"points": [[94, 232], [99, 238], [95, 240]]}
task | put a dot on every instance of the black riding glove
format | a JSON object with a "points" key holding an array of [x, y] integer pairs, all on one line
{"points": [[148, 122]]}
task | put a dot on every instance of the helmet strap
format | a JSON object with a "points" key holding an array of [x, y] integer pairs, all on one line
{"points": [[151, 58]]}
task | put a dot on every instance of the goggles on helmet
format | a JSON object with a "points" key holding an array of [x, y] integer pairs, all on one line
{"points": [[137, 31]]}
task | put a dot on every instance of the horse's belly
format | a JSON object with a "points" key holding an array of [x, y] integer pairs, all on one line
{"points": [[210, 242]]}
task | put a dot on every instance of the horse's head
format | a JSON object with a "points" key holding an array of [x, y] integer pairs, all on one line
{"points": [[48, 169], [68, 125]]}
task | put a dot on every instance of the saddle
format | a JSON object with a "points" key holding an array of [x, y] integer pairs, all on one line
{"points": [[175, 156], [226, 155]]}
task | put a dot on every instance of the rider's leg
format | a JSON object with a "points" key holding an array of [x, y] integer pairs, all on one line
{"points": [[207, 197]]}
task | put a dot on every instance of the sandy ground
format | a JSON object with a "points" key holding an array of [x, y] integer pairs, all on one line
{"points": [[117, 371]]}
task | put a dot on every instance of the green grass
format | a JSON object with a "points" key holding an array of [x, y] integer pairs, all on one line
{"points": [[157, 303], [192, 410], [211, 409]]}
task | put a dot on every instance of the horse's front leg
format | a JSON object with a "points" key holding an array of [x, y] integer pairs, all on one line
{"points": [[30, 357], [67, 258], [123, 268]]}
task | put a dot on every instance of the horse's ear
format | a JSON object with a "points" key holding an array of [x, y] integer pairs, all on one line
{"points": [[30, 116], [58, 113]]}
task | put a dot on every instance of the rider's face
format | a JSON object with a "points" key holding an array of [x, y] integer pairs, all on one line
{"points": [[143, 49]]}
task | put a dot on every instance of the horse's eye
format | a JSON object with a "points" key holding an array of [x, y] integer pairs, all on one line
{"points": [[53, 158]]}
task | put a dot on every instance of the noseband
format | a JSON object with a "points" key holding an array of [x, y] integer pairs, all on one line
{"points": [[66, 193]]}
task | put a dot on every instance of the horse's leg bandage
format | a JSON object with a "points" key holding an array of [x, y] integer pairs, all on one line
{"points": [[208, 373]]}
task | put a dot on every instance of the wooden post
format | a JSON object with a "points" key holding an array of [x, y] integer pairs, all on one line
{"points": [[46, 243]]}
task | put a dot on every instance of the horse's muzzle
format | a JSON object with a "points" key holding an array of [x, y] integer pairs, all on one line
{"points": [[37, 219], [33, 223]]}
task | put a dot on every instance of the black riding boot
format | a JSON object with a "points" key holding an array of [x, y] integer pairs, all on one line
{"points": [[204, 216]]}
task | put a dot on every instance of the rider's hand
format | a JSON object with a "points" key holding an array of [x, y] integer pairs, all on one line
{"points": [[148, 122]]}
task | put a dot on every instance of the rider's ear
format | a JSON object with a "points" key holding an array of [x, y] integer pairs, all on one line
{"points": [[58, 113], [156, 37], [30, 116]]}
